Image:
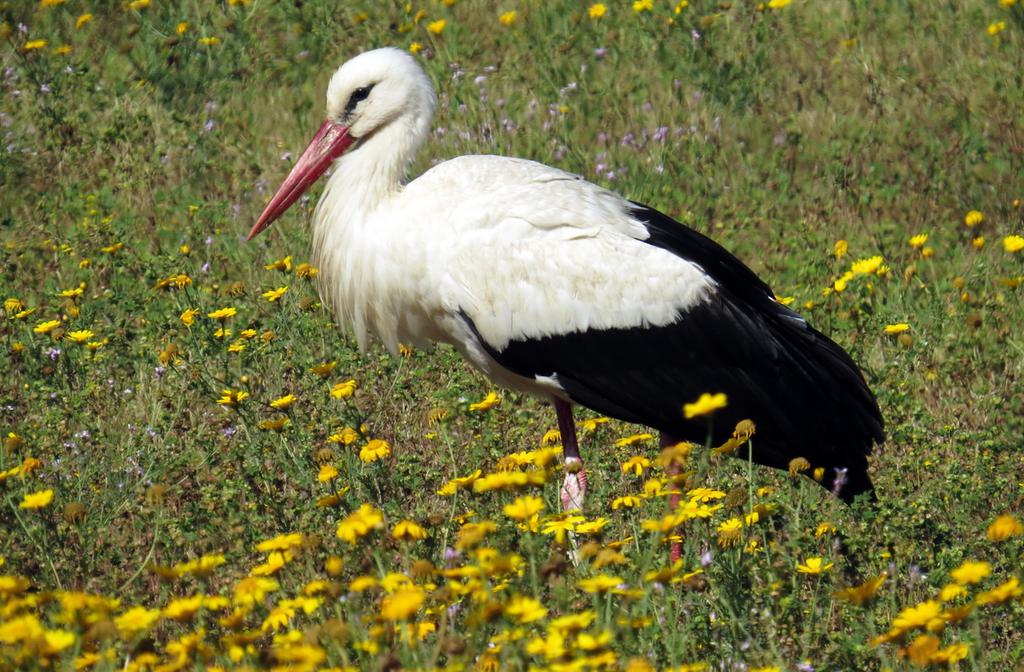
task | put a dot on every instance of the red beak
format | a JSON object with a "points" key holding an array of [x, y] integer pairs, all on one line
{"points": [[329, 143]]}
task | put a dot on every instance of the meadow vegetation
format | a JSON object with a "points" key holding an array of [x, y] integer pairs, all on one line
{"points": [[199, 471]]}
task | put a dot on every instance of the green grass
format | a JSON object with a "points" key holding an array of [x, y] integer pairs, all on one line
{"points": [[786, 130]]}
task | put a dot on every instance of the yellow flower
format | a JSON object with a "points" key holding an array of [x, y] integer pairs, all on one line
{"points": [[284, 402], [643, 6], [863, 592], [36, 500], [918, 241], [1004, 527], [560, 527], [275, 561], [323, 370], [591, 424], [729, 532], [950, 655], [174, 281], [1013, 244], [282, 542], [597, 10], [523, 508], [344, 390], [708, 403], [209, 41], [918, 616], [82, 20], [346, 436], [973, 218], [778, 4], [222, 314], [488, 402], [408, 530], [46, 327], [951, 592], [971, 572], [524, 609], [551, 437], [824, 528], [1003, 592], [591, 526], [32, 45], [188, 317], [181, 28], [867, 266], [978, 242], [601, 583], [136, 5], [509, 480], [996, 27], [275, 294], [814, 565], [626, 502], [415, 48], [897, 328], [55, 641], [201, 567], [284, 265], [840, 249], [455, 484], [80, 336], [374, 450], [636, 464], [840, 284], [360, 523], [634, 438], [253, 589], [136, 620], [73, 292], [436, 27], [403, 604], [508, 18], [327, 472], [184, 608], [232, 397]]}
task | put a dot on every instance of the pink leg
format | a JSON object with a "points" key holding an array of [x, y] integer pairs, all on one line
{"points": [[574, 488], [673, 501]]}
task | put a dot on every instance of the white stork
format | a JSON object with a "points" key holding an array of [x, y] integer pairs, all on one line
{"points": [[557, 287]]}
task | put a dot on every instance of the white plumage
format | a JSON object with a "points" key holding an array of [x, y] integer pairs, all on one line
{"points": [[523, 268]]}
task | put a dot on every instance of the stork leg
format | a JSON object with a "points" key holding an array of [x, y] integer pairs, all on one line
{"points": [[574, 488], [672, 470]]}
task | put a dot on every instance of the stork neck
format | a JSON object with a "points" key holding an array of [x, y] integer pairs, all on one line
{"points": [[375, 169]]}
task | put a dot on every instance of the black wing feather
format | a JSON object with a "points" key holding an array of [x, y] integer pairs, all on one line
{"points": [[804, 393]]}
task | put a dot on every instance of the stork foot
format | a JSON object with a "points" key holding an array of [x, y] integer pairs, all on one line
{"points": [[574, 487]]}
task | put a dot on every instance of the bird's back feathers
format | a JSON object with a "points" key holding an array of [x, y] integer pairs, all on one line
{"points": [[804, 393]]}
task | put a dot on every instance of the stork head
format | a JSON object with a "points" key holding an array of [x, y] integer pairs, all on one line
{"points": [[370, 92]]}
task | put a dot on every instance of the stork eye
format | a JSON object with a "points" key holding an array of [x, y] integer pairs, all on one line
{"points": [[358, 95]]}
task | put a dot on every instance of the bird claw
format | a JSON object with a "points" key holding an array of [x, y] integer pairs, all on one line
{"points": [[574, 488]]}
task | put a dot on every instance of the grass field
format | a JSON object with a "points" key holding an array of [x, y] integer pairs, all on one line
{"points": [[188, 487]]}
